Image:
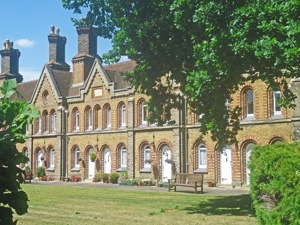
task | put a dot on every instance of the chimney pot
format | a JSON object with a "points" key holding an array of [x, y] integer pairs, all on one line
{"points": [[52, 29], [57, 31]]}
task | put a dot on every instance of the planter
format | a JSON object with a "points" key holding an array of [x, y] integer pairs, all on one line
{"points": [[160, 185], [209, 184], [165, 185], [95, 179], [130, 184], [122, 184]]}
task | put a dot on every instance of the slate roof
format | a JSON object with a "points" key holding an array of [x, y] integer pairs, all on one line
{"points": [[64, 80]]}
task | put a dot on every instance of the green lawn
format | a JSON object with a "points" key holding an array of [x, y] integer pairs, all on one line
{"points": [[92, 205]]}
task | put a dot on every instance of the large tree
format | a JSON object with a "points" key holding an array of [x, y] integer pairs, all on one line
{"points": [[204, 47]]}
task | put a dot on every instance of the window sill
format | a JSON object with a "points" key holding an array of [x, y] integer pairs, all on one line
{"points": [[107, 128], [122, 128], [201, 170], [75, 131], [143, 125], [249, 118], [53, 132], [276, 117], [121, 169], [89, 130], [46, 132], [98, 129], [51, 169], [145, 170], [76, 169]]}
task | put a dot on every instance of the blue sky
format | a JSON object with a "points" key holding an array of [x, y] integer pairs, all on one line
{"points": [[27, 23]]}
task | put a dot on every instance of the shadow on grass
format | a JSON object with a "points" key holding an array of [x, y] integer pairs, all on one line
{"points": [[239, 205]]}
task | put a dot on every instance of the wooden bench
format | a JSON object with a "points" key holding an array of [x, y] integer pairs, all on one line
{"points": [[187, 180], [28, 176]]}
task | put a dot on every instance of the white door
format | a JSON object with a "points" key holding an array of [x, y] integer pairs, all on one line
{"points": [[248, 153], [107, 161], [166, 167], [226, 173], [40, 161], [91, 165]]}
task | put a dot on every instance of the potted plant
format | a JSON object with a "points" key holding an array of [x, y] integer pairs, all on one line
{"points": [[129, 182], [169, 161], [97, 177], [40, 172], [211, 183], [114, 178], [93, 156], [79, 159], [104, 177]]}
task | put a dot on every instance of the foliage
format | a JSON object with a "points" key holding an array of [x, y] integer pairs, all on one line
{"points": [[93, 156], [14, 115], [124, 173], [204, 46], [275, 183], [114, 178], [104, 177], [40, 172], [98, 175]]}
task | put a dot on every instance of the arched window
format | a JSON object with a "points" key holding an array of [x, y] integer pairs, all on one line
{"points": [[108, 117], [53, 122], [96, 113], [123, 116], [123, 157], [77, 120], [276, 99], [147, 156], [40, 125], [144, 113], [77, 158], [202, 163], [249, 103]]}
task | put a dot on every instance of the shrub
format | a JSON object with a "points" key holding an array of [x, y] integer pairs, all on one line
{"points": [[98, 176], [114, 178], [40, 172], [104, 177], [27, 168], [275, 183]]}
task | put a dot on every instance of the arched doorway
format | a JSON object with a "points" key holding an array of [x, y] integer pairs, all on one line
{"points": [[166, 163], [225, 165], [107, 161], [248, 153], [91, 165]]}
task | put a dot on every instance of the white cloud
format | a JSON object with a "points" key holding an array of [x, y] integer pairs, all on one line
{"points": [[26, 43], [30, 73]]}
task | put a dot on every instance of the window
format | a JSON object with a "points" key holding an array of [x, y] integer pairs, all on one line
{"points": [[77, 157], [144, 113], [53, 121], [108, 117], [276, 98], [249, 103], [46, 120], [123, 157], [147, 157], [26, 154], [40, 125], [90, 120], [52, 158], [123, 116], [77, 120], [202, 156], [27, 132]]}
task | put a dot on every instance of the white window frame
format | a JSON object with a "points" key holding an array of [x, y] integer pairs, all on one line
{"points": [[26, 154], [276, 112], [147, 149], [108, 116], [54, 121], [46, 122], [123, 161], [77, 155], [90, 119], [77, 120], [144, 113], [247, 108], [123, 116], [40, 125], [52, 158], [202, 148]]}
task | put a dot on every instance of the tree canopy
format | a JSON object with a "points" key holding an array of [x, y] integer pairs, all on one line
{"points": [[14, 115], [204, 47]]}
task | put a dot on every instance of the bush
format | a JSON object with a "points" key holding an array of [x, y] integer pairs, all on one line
{"points": [[104, 177], [27, 168], [275, 183], [114, 178], [40, 172]]}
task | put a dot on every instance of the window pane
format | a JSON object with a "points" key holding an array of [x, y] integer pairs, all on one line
{"points": [[249, 102], [77, 155], [108, 117], [147, 156], [54, 121], [202, 159], [90, 118], [123, 158], [144, 113], [46, 122], [77, 119], [123, 115], [277, 96], [52, 158]]}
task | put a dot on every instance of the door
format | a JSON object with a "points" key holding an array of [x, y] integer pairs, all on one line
{"points": [[248, 153], [91, 165], [40, 157], [107, 161], [226, 172], [166, 165]]}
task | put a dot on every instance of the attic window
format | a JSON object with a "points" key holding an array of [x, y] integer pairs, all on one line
{"points": [[45, 96], [97, 92]]}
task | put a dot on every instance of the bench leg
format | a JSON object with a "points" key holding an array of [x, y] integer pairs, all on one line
{"points": [[201, 189], [195, 189], [175, 188], [169, 187]]}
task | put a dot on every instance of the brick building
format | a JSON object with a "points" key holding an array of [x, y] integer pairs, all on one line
{"points": [[92, 109]]}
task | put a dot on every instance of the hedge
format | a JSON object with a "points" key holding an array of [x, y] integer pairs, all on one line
{"points": [[275, 183]]}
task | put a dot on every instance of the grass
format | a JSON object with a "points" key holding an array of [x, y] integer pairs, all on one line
{"points": [[92, 205]]}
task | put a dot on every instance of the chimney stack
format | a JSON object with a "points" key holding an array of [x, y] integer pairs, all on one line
{"points": [[87, 52], [57, 45], [10, 62]]}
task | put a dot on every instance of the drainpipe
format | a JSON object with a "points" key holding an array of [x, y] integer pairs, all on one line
{"points": [[67, 114], [185, 135]]}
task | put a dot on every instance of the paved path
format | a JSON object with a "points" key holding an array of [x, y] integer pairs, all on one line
{"points": [[220, 190]]}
